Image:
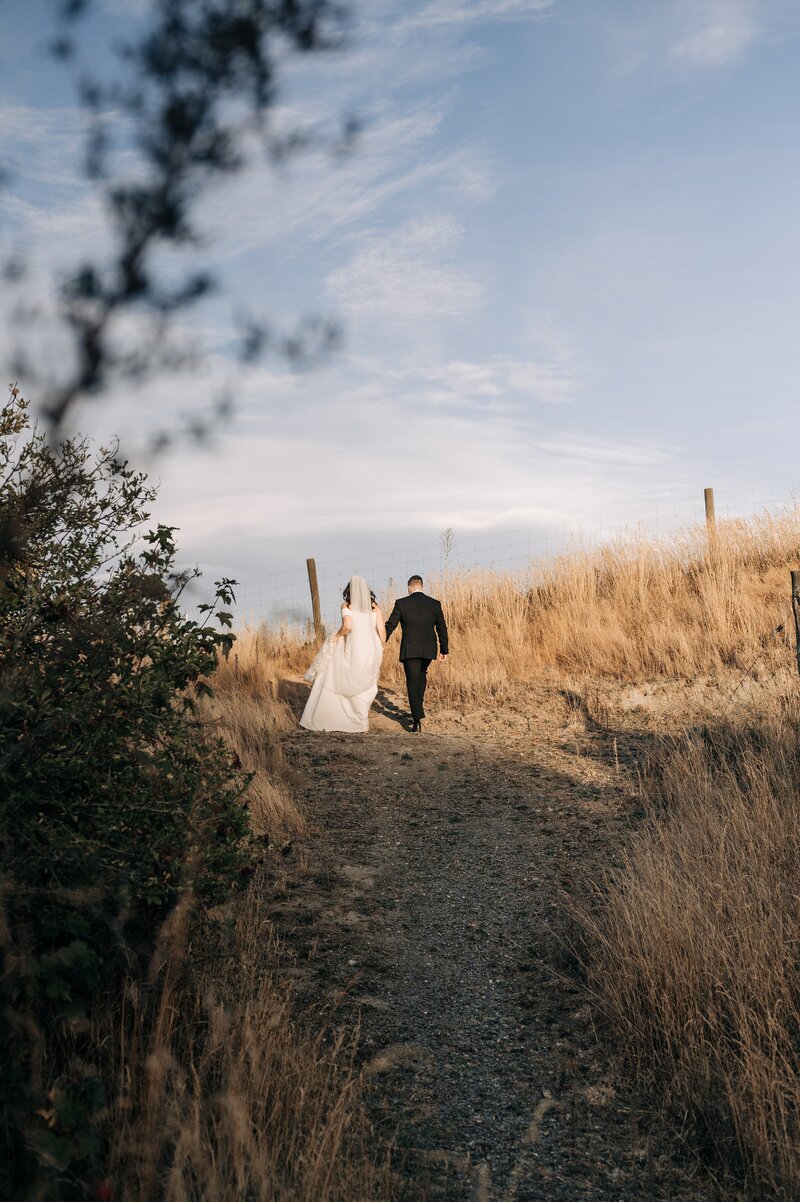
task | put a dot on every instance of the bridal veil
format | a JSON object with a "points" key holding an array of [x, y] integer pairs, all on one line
{"points": [[356, 660]]}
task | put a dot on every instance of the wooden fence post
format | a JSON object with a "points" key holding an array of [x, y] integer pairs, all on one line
{"points": [[314, 586], [711, 517], [796, 612]]}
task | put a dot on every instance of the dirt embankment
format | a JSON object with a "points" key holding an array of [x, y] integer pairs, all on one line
{"points": [[428, 903]]}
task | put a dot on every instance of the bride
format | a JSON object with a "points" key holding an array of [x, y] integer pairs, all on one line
{"points": [[345, 672]]}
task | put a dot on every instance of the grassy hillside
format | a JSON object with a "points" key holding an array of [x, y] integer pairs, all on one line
{"points": [[634, 610], [692, 943]]}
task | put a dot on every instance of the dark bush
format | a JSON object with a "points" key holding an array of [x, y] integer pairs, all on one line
{"points": [[116, 797]]}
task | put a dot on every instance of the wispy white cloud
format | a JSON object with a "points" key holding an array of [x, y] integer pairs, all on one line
{"points": [[467, 12], [316, 200], [41, 142], [281, 468], [703, 35], [411, 273], [718, 32], [604, 451], [313, 200], [505, 383], [55, 234]]}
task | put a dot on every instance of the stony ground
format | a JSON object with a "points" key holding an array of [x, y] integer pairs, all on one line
{"points": [[431, 903]]}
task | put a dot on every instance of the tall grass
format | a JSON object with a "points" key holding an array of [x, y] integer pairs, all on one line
{"points": [[251, 715], [223, 1092], [694, 941], [632, 610]]}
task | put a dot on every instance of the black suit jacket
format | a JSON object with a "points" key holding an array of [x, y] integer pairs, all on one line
{"points": [[421, 622]]}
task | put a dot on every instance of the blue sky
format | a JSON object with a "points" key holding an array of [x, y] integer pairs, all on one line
{"points": [[565, 253]]}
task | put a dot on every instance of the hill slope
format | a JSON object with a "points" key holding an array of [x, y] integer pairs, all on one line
{"points": [[427, 905]]}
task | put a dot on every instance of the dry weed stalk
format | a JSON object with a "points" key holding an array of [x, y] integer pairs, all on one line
{"points": [[223, 1093], [693, 942]]}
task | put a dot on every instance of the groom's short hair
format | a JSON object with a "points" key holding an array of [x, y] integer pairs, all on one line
{"points": [[415, 580]]}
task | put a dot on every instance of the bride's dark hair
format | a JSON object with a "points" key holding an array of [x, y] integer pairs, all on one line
{"points": [[346, 594]]}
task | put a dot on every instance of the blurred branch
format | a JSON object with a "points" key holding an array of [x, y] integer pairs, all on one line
{"points": [[192, 89]]}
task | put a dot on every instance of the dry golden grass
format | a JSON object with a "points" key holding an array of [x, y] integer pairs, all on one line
{"points": [[225, 1090], [252, 716], [693, 943], [223, 1093], [632, 610]]}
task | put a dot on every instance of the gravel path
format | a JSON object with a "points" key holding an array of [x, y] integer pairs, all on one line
{"points": [[429, 903]]}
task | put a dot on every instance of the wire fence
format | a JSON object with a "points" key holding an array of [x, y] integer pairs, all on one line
{"points": [[283, 598]]}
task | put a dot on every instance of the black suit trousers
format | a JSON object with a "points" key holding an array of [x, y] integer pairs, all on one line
{"points": [[416, 678]]}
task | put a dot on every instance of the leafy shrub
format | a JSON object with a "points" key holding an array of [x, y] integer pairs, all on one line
{"points": [[116, 797]]}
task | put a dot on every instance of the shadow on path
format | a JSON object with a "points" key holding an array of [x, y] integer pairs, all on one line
{"points": [[430, 910], [385, 705], [295, 694]]}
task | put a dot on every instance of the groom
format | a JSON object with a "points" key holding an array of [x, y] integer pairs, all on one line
{"points": [[421, 622]]}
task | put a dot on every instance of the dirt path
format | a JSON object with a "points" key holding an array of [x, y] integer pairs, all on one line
{"points": [[429, 903]]}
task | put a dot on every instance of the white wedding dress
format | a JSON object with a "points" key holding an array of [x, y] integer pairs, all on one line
{"points": [[345, 672]]}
